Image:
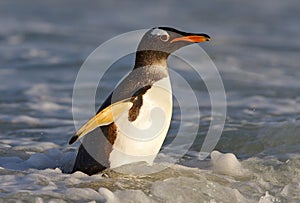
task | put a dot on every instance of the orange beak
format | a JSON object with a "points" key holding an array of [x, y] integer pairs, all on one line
{"points": [[193, 38]]}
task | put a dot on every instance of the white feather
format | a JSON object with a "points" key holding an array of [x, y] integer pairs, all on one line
{"points": [[159, 32], [142, 139]]}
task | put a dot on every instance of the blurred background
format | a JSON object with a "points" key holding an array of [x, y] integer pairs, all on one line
{"points": [[255, 46]]}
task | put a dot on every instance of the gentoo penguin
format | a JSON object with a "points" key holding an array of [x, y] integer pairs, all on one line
{"points": [[133, 122]]}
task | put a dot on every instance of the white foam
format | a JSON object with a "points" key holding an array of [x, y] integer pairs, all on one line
{"points": [[52, 158], [137, 195], [26, 119], [174, 184], [108, 195], [267, 198], [186, 189], [35, 146], [226, 164], [36, 180], [77, 194], [46, 106]]}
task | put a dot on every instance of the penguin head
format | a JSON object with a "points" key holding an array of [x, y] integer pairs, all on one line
{"points": [[168, 40], [159, 42]]}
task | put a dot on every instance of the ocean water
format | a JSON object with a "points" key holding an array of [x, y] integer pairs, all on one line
{"points": [[255, 47]]}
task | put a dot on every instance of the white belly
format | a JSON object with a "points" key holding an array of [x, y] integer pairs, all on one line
{"points": [[142, 139]]}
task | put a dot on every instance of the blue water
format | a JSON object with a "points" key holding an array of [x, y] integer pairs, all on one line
{"points": [[255, 46]]}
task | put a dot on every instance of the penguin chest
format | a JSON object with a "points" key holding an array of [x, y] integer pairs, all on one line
{"points": [[141, 139]]}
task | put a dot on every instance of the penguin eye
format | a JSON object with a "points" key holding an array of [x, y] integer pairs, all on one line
{"points": [[164, 38]]}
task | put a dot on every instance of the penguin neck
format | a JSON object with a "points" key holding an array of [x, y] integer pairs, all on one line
{"points": [[150, 58]]}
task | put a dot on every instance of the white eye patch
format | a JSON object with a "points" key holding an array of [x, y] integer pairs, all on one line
{"points": [[159, 32]]}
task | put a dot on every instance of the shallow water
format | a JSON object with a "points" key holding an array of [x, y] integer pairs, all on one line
{"points": [[255, 47]]}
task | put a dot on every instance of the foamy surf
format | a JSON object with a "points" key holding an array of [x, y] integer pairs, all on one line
{"points": [[225, 179]]}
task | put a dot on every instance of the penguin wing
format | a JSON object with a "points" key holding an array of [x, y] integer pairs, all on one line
{"points": [[103, 117]]}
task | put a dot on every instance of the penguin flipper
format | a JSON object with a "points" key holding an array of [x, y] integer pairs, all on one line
{"points": [[102, 118]]}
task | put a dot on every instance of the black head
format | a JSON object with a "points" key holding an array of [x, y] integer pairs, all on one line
{"points": [[159, 42]]}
